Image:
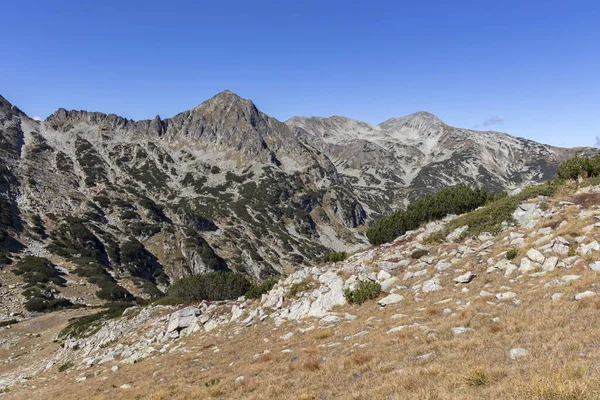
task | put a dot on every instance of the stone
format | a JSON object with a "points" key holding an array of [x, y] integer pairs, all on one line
{"points": [[388, 284], [550, 263], [570, 278], [595, 266], [125, 386], [506, 296], [432, 285], [518, 353], [460, 330], [114, 368], [390, 299], [557, 296], [287, 336], [333, 297], [465, 278], [526, 266], [239, 379], [330, 320], [535, 256], [382, 276], [183, 318], [585, 295]]}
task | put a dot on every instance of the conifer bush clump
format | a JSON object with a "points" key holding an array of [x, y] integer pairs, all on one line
{"points": [[453, 200], [213, 286], [366, 290]]}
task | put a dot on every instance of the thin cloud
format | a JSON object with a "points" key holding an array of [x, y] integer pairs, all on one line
{"points": [[597, 141], [37, 118], [492, 121]]}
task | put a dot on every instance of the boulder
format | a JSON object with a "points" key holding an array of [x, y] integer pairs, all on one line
{"points": [[391, 299], [550, 264], [465, 278], [183, 318], [518, 353], [585, 295], [432, 285]]}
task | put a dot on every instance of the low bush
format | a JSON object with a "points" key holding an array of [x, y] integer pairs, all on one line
{"points": [[8, 322], [366, 290], [90, 324], [453, 200], [42, 304], [491, 217], [213, 286], [418, 254], [511, 254], [335, 257], [256, 291], [36, 270]]}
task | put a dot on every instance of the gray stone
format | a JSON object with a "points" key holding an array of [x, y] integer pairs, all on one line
{"points": [[432, 285], [585, 295], [518, 353], [391, 299], [465, 278]]}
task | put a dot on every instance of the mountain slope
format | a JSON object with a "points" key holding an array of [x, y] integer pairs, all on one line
{"points": [[454, 320], [221, 186], [122, 207], [402, 158]]}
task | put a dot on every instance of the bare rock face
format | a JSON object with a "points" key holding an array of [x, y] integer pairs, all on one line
{"points": [[223, 186], [405, 157]]}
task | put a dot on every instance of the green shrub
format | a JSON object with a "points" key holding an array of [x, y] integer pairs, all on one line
{"points": [[335, 256], [41, 304], [418, 254], [491, 217], [435, 237], [8, 322], [129, 214], [256, 291], [90, 324], [511, 254], [366, 290], [36, 270], [65, 366], [454, 200], [577, 166], [213, 286]]}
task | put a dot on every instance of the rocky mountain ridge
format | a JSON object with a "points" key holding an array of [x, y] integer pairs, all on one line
{"points": [[138, 204], [402, 158]]}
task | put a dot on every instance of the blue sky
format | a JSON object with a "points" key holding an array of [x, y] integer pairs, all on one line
{"points": [[529, 68]]}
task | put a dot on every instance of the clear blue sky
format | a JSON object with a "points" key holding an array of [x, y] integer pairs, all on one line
{"points": [[529, 68]]}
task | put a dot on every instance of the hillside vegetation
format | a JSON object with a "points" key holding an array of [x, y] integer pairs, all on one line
{"points": [[461, 199]]}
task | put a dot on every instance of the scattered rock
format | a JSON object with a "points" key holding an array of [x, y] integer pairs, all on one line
{"points": [[518, 353], [465, 278], [391, 299]]}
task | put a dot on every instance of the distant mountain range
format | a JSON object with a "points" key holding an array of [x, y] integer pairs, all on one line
{"points": [[224, 186]]}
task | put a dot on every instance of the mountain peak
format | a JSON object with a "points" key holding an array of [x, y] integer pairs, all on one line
{"points": [[419, 118]]}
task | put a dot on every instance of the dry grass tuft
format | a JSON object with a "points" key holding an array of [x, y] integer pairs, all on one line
{"points": [[477, 377], [313, 364], [323, 334], [265, 358], [587, 200], [361, 358], [431, 310]]}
